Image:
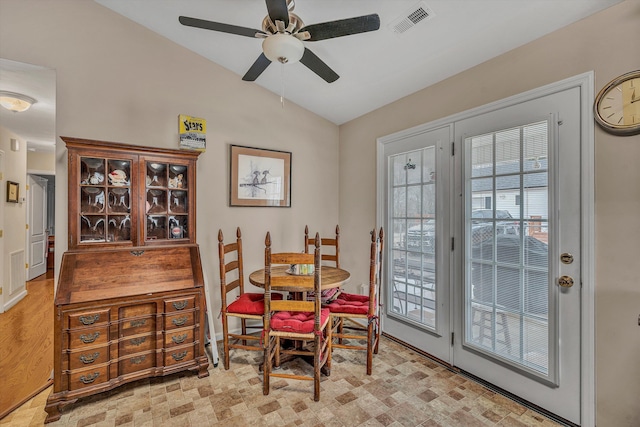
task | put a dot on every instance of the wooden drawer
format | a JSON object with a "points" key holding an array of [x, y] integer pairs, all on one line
{"points": [[82, 320], [88, 337], [177, 355], [88, 357], [179, 304], [179, 320], [139, 310], [177, 337], [137, 344], [88, 377], [136, 363], [136, 326]]}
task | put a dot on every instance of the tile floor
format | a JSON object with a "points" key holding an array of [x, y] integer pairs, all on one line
{"points": [[406, 389]]}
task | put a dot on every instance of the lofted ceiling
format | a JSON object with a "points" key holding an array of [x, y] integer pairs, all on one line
{"points": [[375, 68]]}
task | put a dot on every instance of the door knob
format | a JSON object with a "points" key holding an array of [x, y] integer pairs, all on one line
{"points": [[565, 281]]}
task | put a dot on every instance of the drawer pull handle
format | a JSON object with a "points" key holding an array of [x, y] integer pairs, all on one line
{"points": [[89, 378], [179, 305], [136, 323], [179, 339], [89, 320], [179, 356], [89, 358], [138, 341], [180, 321], [87, 339], [138, 360], [136, 253]]}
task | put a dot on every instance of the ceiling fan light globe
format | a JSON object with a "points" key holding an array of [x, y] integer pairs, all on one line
{"points": [[283, 48]]}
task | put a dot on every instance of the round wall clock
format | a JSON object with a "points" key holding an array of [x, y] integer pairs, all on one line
{"points": [[617, 105]]}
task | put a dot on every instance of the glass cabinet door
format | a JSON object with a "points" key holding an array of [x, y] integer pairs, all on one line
{"points": [[105, 200], [126, 195], [167, 200]]}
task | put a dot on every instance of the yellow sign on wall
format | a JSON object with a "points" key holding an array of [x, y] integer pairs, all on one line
{"points": [[192, 132]]}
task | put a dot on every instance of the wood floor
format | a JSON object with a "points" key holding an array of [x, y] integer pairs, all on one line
{"points": [[26, 345]]}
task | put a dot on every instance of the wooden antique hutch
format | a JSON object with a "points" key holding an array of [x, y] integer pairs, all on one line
{"points": [[130, 298]]}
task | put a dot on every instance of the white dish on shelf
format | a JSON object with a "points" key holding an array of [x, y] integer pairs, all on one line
{"points": [[118, 177]]}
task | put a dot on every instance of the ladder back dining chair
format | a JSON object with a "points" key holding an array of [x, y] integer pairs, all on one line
{"points": [[246, 306], [304, 322], [325, 243], [332, 258], [361, 312]]}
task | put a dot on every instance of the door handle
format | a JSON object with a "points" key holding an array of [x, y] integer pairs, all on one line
{"points": [[565, 281]]}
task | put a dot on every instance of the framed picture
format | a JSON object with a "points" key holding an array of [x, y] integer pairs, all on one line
{"points": [[13, 191], [260, 177]]}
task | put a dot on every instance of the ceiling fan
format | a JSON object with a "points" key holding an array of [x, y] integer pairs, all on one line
{"points": [[283, 33]]}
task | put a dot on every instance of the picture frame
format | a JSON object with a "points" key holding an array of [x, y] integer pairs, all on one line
{"points": [[259, 177], [13, 192]]}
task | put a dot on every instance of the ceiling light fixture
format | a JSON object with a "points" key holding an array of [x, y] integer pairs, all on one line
{"points": [[283, 48], [16, 102]]}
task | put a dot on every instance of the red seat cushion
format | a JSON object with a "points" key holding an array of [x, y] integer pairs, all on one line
{"points": [[350, 303], [295, 321], [250, 303]]}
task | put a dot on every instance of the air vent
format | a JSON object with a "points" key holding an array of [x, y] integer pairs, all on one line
{"points": [[418, 13]]}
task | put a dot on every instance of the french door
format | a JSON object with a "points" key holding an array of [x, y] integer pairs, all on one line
{"points": [[484, 259], [517, 312], [418, 276]]}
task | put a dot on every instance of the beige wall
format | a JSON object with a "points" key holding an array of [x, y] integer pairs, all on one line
{"points": [[41, 162], [117, 81], [606, 43], [15, 169]]}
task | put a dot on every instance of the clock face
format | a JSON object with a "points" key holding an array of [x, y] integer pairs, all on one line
{"points": [[617, 105]]}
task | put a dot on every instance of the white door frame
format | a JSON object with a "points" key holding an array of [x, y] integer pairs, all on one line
{"points": [[585, 82]]}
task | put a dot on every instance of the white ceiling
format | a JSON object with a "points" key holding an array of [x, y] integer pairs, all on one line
{"points": [[375, 68]]}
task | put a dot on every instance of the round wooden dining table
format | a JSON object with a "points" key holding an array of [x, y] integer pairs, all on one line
{"points": [[330, 277]]}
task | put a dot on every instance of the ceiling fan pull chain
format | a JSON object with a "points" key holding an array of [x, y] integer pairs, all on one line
{"points": [[282, 84]]}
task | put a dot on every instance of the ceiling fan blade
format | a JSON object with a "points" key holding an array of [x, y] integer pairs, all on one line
{"points": [[316, 65], [278, 11], [342, 27], [257, 68], [218, 26]]}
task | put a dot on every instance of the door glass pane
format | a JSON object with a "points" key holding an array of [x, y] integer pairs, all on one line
{"points": [[413, 208], [506, 234]]}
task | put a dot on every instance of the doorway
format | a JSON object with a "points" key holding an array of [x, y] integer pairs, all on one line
{"points": [[34, 153], [481, 257], [2, 198]]}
